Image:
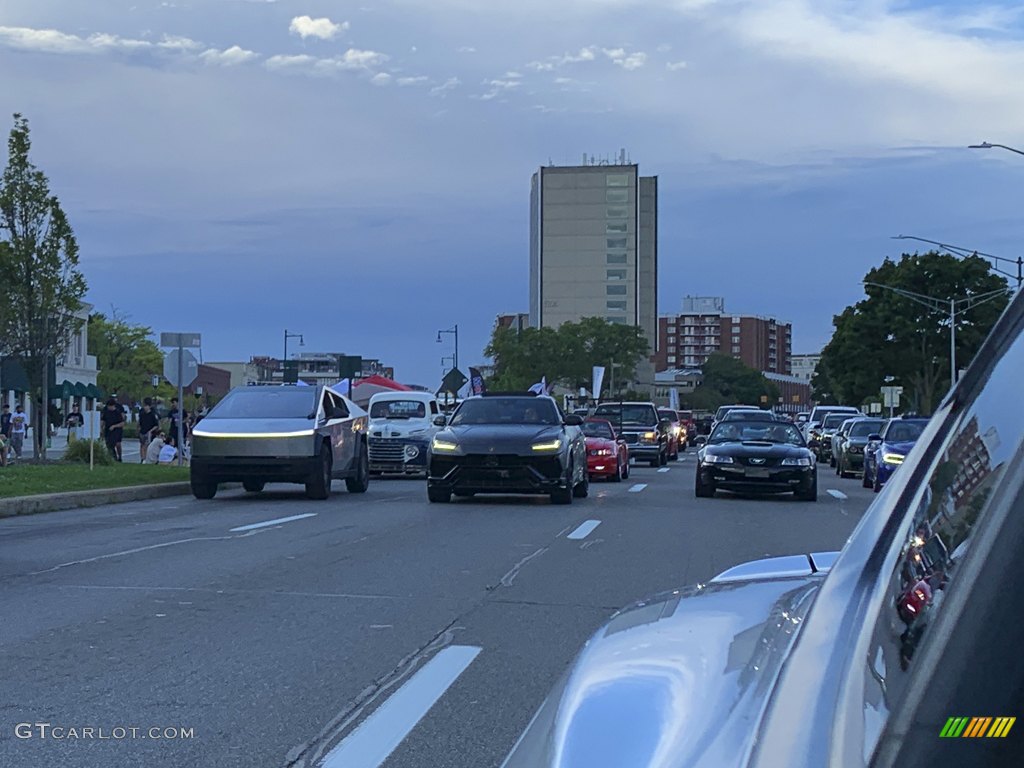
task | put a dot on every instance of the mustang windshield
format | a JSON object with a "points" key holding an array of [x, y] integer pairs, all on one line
{"points": [[398, 409], [507, 410], [266, 403], [598, 429], [634, 415], [760, 431]]}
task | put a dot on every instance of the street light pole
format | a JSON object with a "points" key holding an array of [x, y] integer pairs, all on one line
{"points": [[455, 332], [956, 306], [987, 145], [962, 252], [302, 341]]}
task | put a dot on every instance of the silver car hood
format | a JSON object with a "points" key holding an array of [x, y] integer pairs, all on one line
{"points": [[681, 680]]}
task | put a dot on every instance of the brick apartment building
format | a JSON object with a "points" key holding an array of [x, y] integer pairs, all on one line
{"points": [[704, 327]]}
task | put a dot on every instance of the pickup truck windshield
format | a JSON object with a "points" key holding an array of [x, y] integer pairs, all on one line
{"points": [[631, 415], [398, 409]]}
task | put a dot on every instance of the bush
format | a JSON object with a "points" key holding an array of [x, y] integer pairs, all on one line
{"points": [[131, 430], [78, 452]]}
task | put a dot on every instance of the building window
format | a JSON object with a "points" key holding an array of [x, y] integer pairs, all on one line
{"points": [[735, 339], [616, 242], [617, 274], [618, 196], [617, 212], [671, 347], [672, 338], [618, 180], [617, 306], [671, 358], [616, 258], [616, 320], [616, 226], [616, 290]]}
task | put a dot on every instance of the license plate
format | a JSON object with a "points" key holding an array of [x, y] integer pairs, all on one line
{"points": [[759, 472]]}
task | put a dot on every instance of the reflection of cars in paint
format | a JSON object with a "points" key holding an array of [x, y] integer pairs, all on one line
{"points": [[803, 660], [281, 434], [891, 449], [401, 427], [607, 454], [504, 443]]}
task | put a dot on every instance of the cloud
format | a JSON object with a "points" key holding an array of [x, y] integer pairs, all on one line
{"points": [[628, 61], [381, 78], [175, 43], [53, 41], [588, 53], [353, 60], [674, 66], [497, 87], [229, 57], [512, 75], [416, 80], [448, 85], [467, 49], [322, 28]]}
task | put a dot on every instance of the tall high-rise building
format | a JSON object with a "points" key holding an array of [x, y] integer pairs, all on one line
{"points": [[594, 246], [704, 328]]}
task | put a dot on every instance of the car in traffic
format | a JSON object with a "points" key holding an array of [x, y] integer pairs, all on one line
{"points": [[400, 431], [509, 444], [864, 657], [890, 448], [645, 433], [690, 425], [281, 434], [725, 409], [821, 440], [607, 453], [850, 459], [676, 432], [818, 414], [751, 414], [756, 456]]}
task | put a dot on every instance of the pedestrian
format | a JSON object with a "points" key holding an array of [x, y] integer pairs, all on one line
{"points": [[156, 445], [172, 430], [19, 429], [168, 453], [5, 421], [149, 425], [113, 428], [3, 450], [74, 423]]}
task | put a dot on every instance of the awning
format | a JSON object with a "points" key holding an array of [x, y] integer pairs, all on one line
{"points": [[63, 391], [94, 392], [12, 375], [79, 390]]}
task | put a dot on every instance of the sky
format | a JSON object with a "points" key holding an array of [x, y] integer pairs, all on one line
{"points": [[358, 172]]}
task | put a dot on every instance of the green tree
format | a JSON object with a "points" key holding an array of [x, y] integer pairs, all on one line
{"points": [[126, 356], [565, 356], [727, 380], [890, 335], [43, 287]]}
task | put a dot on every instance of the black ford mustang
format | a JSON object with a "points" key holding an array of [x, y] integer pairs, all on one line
{"points": [[757, 456], [509, 444]]}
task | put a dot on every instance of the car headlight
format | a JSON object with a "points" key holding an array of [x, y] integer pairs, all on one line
{"points": [[551, 445], [855, 449], [649, 437], [443, 446], [712, 458], [601, 452], [893, 458], [791, 462]]}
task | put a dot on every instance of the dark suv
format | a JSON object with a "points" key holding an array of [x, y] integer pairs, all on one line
{"points": [[644, 432]]}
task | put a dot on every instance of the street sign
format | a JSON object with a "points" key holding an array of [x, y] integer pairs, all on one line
{"points": [[453, 381], [891, 396], [290, 372], [190, 340], [349, 366], [189, 367]]}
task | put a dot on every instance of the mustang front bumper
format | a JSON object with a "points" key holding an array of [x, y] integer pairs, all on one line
{"points": [[757, 479]]}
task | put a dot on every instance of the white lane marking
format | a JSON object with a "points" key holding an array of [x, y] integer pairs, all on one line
{"points": [[268, 523], [665, 469], [585, 529], [369, 745], [638, 487], [837, 495]]}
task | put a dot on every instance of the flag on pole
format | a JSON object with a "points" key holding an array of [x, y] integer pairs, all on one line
{"points": [[598, 381], [476, 382], [541, 387], [673, 398]]}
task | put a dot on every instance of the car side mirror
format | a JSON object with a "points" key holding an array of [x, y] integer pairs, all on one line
{"points": [[874, 438], [440, 421], [701, 441], [572, 420]]}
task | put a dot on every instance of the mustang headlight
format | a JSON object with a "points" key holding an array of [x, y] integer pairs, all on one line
{"points": [[804, 462], [893, 458], [550, 445], [854, 449], [712, 458], [443, 446]]}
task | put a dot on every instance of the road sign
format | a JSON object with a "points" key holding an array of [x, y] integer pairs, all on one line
{"points": [[453, 381], [290, 372], [349, 366], [189, 367], [891, 396], [190, 340]]}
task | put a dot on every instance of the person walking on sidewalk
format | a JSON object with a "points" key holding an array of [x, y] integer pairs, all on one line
{"points": [[19, 428], [113, 427], [5, 422], [74, 423], [149, 425]]}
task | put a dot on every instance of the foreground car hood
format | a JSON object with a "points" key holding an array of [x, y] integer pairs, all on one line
{"points": [[681, 680], [500, 438], [253, 427]]}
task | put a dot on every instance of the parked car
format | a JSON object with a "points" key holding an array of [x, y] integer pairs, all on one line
{"points": [[869, 656], [676, 432], [281, 434], [850, 460], [502, 443], [762, 456], [890, 448], [607, 453], [401, 428], [640, 426]]}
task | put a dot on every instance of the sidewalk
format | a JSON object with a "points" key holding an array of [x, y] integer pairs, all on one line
{"points": [[59, 444]]}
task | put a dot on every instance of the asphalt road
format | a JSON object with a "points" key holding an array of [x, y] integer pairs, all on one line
{"points": [[373, 628]]}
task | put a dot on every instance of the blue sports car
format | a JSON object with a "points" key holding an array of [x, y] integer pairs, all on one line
{"points": [[883, 457]]}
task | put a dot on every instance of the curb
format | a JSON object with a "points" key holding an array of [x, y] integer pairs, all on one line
{"points": [[55, 502]]}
